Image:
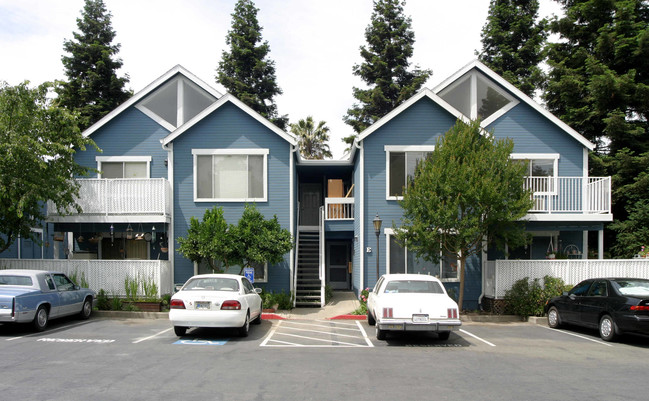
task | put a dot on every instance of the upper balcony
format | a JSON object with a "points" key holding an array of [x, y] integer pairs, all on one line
{"points": [[119, 200], [589, 197]]}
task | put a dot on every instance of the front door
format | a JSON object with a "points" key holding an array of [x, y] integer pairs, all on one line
{"points": [[310, 198], [338, 265]]}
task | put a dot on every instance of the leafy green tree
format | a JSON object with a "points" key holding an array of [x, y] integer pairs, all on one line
{"points": [[93, 87], [246, 70], [37, 146], [512, 42], [312, 140], [209, 240], [390, 43], [258, 240], [468, 190], [254, 240]]}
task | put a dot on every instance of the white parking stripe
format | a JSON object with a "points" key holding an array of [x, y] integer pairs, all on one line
{"points": [[318, 325], [318, 339], [577, 335], [367, 340], [477, 338], [150, 337], [263, 344], [319, 331]]}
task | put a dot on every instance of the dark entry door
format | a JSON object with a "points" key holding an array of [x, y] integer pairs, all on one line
{"points": [[310, 198], [338, 265]]}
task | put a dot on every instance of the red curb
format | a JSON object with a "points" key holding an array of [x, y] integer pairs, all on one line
{"points": [[271, 316], [348, 317]]}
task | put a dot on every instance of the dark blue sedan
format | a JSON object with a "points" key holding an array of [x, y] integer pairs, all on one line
{"points": [[611, 305]]}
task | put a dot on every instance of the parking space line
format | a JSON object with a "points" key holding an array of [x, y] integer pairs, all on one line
{"points": [[319, 339], [577, 335], [56, 330], [150, 337], [319, 331], [367, 340], [268, 337], [318, 325], [477, 338]]}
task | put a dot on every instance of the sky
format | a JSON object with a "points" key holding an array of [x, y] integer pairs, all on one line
{"points": [[314, 44]]}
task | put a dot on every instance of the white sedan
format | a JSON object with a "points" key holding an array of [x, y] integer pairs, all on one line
{"points": [[411, 302], [216, 300]]}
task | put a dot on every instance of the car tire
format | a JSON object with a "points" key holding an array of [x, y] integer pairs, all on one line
{"points": [[243, 330], [370, 318], [41, 319], [380, 334], [180, 330], [258, 318], [554, 319], [607, 328], [86, 309], [443, 335]]}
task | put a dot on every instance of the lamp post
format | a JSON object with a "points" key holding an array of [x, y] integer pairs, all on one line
{"points": [[377, 229]]}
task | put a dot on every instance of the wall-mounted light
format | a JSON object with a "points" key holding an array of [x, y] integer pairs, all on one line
{"points": [[112, 234]]}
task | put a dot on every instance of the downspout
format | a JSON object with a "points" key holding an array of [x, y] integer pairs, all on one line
{"points": [[361, 240], [292, 221], [484, 261], [171, 239]]}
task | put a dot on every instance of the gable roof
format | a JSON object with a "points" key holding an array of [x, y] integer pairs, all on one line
{"points": [[178, 69], [403, 106], [228, 98], [476, 64]]}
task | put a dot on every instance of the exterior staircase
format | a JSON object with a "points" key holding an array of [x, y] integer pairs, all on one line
{"points": [[308, 284]]}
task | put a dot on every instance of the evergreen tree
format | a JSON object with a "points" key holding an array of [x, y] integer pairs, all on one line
{"points": [[245, 70], [93, 88], [390, 43], [599, 84], [312, 140], [512, 42]]}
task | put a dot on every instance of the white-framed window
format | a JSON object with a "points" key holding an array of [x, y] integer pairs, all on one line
{"points": [[476, 96], [541, 171], [124, 166], [400, 163], [230, 175], [399, 260]]}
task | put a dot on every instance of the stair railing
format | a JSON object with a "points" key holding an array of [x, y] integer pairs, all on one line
{"points": [[297, 251], [322, 255]]}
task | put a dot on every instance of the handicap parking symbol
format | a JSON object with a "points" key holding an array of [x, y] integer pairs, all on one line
{"points": [[200, 341]]}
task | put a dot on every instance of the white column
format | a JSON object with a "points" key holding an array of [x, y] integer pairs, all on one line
{"points": [[600, 244], [584, 251]]}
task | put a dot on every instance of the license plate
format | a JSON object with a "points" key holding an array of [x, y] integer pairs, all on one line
{"points": [[202, 305], [420, 318], [394, 327]]}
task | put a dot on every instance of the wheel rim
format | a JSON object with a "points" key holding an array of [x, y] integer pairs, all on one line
{"points": [[87, 308], [552, 317], [247, 324], [606, 327], [42, 317]]}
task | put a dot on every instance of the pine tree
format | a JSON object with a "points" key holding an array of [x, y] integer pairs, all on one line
{"points": [[93, 87], [390, 43], [512, 42], [245, 70]]}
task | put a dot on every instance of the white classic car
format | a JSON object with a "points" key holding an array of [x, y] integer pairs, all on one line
{"points": [[411, 302], [216, 300]]}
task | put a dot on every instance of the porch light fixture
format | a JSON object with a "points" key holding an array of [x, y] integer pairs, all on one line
{"points": [[377, 230], [112, 234], [153, 234], [129, 232]]}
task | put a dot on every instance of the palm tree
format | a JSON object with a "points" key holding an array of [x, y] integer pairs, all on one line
{"points": [[312, 139]]}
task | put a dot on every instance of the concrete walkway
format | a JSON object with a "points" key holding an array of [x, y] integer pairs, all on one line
{"points": [[342, 303]]}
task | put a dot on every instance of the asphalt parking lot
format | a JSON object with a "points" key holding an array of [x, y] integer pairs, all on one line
{"points": [[315, 359]]}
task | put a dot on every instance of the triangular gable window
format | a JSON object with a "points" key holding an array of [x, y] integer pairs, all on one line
{"points": [[476, 96], [175, 103]]}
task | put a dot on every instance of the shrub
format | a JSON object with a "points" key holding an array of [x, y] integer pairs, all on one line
{"points": [[362, 310], [281, 299], [103, 303], [527, 298]]}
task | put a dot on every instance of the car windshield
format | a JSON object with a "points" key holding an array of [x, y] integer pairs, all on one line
{"points": [[413, 286], [632, 287], [16, 280], [212, 284]]}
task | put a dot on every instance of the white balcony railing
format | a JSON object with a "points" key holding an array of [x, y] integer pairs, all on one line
{"points": [[584, 195], [119, 197], [339, 208]]}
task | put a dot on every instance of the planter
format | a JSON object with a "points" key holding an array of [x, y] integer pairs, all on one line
{"points": [[146, 306]]}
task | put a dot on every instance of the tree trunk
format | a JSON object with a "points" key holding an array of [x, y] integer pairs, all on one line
{"points": [[460, 300]]}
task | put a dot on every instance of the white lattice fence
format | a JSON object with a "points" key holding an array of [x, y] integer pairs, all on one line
{"points": [[108, 275], [502, 274]]}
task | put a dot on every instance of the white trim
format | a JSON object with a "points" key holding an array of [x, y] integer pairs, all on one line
{"points": [[178, 69], [518, 93], [124, 159], [171, 240], [291, 218], [216, 105], [536, 156], [361, 240], [556, 217], [242, 152], [405, 149]]}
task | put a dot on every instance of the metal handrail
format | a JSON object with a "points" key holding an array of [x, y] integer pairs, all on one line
{"points": [[322, 255], [297, 250]]}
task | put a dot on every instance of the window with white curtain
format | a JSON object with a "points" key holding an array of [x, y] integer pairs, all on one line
{"points": [[232, 175], [124, 166]]}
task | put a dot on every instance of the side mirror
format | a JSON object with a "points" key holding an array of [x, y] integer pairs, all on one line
{"points": [[77, 288], [258, 290], [572, 296]]}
